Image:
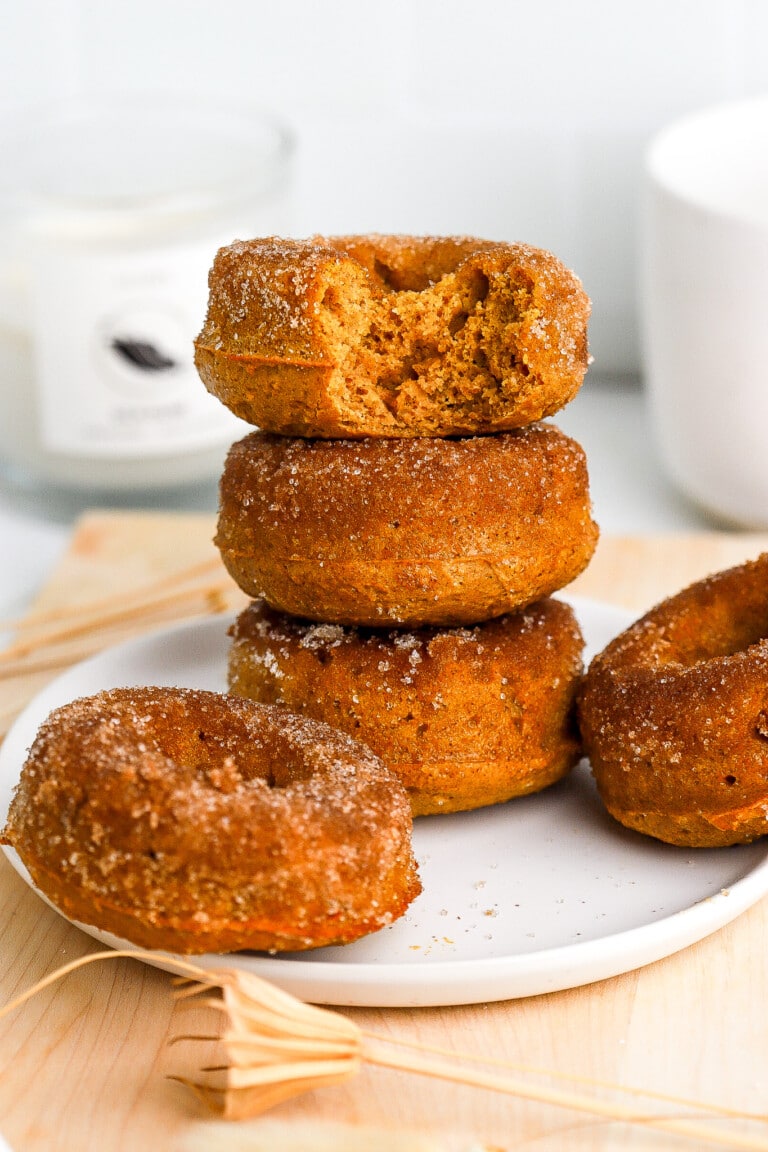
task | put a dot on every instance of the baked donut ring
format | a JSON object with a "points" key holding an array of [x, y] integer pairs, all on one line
{"points": [[464, 717], [674, 714], [409, 532], [392, 335], [194, 822]]}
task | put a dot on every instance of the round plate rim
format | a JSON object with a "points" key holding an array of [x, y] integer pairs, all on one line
{"points": [[438, 982]]}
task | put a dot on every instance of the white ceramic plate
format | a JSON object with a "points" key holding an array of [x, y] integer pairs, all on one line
{"points": [[533, 896]]}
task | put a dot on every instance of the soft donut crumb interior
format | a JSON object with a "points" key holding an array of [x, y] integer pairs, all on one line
{"points": [[448, 343]]}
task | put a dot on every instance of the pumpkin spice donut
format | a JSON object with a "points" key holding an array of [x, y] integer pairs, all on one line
{"points": [[189, 821], [392, 335], [407, 532], [465, 717], [674, 714]]}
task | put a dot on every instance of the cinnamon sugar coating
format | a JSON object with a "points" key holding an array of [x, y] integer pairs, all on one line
{"points": [[193, 822], [410, 532], [674, 714], [373, 335], [464, 717]]}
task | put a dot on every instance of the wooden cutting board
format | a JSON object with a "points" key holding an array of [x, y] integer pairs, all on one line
{"points": [[84, 1065]]}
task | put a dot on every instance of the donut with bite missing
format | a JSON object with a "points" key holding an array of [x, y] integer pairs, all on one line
{"points": [[357, 336]]}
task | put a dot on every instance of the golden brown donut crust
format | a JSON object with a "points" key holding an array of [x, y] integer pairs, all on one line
{"points": [[194, 822], [408, 532], [357, 336], [674, 714], [465, 717]]}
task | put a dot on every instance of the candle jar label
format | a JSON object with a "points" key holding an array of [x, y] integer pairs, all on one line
{"points": [[113, 332]]}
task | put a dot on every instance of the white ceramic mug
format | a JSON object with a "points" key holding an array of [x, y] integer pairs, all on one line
{"points": [[705, 306]]}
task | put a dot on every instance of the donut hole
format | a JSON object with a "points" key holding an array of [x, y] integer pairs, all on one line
{"points": [[721, 633], [221, 753], [729, 780], [724, 647], [405, 278], [416, 268]]}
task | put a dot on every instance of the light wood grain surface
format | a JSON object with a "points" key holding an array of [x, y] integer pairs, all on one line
{"points": [[84, 1066]]}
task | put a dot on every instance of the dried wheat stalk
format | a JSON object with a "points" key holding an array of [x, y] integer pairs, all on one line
{"points": [[278, 1047], [168, 598], [105, 606], [56, 638]]}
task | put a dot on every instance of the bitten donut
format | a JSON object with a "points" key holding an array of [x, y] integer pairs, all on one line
{"points": [[674, 714], [194, 822], [409, 532], [392, 335], [465, 717]]}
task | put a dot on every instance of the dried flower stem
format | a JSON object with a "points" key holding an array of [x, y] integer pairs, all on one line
{"points": [[690, 1128], [570, 1077], [147, 594], [90, 958], [56, 638], [278, 1047], [84, 635], [63, 653]]}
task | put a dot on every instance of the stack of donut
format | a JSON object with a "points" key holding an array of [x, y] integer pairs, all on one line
{"points": [[401, 516]]}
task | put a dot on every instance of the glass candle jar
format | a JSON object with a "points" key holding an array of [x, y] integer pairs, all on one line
{"points": [[110, 216]]}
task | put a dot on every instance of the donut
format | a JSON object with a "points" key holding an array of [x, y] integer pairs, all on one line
{"points": [[190, 821], [465, 717], [358, 336], [408, 532], [674, 714]]}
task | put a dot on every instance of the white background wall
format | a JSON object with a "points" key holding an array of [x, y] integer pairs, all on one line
{"points": [[499, 118]]}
